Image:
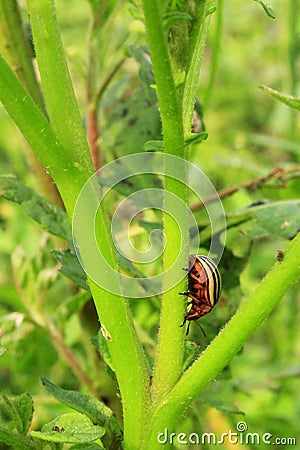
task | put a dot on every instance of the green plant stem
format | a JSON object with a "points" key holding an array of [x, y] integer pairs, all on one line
{"points": [[63, 109], [166, 91], [16, 49], [169, 352], [228, 342], [39, 134], [195, 54], [116, 320]]}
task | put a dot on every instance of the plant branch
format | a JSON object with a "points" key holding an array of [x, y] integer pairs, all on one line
{"points": [[195, 54], [63, 109], [251, 185], [169, 351], [40, 136], [15, 48], [228, 342]]}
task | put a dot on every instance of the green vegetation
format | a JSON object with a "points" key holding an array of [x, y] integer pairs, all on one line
{"points": [[88, 82]]}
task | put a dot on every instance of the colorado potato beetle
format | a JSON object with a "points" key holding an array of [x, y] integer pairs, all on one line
{"points": [[204, 288]]}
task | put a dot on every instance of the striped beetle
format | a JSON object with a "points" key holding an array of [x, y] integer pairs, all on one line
{"points": [[204, 288]]}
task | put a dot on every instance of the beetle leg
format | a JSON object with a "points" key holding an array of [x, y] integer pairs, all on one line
{"points": [[184, 320], [188, 329], [204, 334]]}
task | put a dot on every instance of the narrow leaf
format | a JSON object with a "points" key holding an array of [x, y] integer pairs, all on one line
{"points": [[267, 8], [196, 138], [71, 267], [158, 146], [52, 218], [289, 100], [153, 146]]}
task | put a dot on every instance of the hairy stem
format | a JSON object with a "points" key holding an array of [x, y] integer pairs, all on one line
{"points": [[228, 342], [169, 352]]}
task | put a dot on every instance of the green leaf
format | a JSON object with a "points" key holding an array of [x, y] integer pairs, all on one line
{"points": [[72, 428], [52, 218], [211, 10], [141, 56], [20, 409], [71, 268], [267, 8], [133, 121], [289, 100], [93, 408], [220, 405], [153, 146], [14, 441], [24, 406], [196, 138], [280, 218]]}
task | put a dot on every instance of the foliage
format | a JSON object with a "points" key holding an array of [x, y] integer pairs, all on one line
{"points": [[135, 68]]}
